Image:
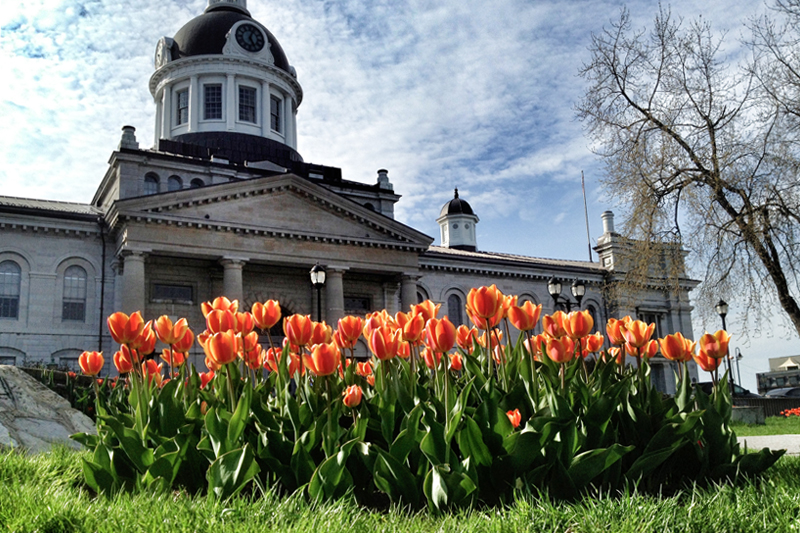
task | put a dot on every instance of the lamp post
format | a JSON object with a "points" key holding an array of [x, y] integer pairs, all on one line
{"points": [[578, 290], [722, 311], [317, 274], [737, 356]]}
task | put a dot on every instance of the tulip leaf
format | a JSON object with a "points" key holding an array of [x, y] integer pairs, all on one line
{"points": [[588, 465], [231, 472], [240, 416], [302, 464], [444, 488], [470, 440], [454, 416], [433, 444], [131, 444], [331, 479], [217, 432], [522, 448], [395, 479]]}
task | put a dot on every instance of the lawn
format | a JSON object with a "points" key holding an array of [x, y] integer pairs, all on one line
{"points": [[45, 493], [775, 425]]}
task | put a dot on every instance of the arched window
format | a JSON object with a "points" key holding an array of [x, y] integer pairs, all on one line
{"points": [[10, 276], [455, 310], [369, 206], [174, 183], [74, 300], [196, 183], [151, 182], [595, 317]]}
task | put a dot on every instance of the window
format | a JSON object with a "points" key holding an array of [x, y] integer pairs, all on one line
{"points": [[212, 102], [182, 109], [196, 183], [74, 302], [174, 183], [355, 305], [173, 293], [247, 104], [454, 310], [10, 276], [275, 113], [652, 318], [151, 183]]}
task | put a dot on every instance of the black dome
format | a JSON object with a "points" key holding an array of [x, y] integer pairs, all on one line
{"points": [[456, 206], [206, 35]]}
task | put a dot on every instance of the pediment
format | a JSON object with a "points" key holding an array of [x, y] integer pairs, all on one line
{"points": [[277, 205]]}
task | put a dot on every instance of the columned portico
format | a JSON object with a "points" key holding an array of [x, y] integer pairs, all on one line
{"points": [[334, 294], [408, 291], [133, 282], [232, 277]]}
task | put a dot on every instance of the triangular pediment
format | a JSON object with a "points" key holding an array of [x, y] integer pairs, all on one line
{"points": [[277, 205]]}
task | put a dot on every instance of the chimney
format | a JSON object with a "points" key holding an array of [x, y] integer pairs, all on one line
{"points": [[383, 180], [608, 222], [128, 138]]}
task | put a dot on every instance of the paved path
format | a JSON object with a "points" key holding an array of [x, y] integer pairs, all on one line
{"points": [[790, 443]]}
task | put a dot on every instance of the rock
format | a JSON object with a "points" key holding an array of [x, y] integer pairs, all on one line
{"points": [[35, 418]]}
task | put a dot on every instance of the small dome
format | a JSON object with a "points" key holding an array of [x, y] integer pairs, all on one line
{"points": [[456, 206], [205, 35]]}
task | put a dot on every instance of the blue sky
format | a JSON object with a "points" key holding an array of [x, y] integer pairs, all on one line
{"points": [[443, 93]]}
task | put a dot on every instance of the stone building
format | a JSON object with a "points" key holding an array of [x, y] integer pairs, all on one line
{"points": [[223, 203]]}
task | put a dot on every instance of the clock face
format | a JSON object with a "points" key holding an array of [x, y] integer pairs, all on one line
{"points": [[250, 37]]}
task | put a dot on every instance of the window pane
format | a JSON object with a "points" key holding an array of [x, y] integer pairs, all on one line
{"points": [[74, 304], [174, 183], [212, 97], [182, 109], [151, 184], [10, 276], [196, 183], [175, 293], [247, 104], [454, 310], [275, 113]]}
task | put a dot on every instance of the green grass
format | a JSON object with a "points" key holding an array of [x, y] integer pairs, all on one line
{"points": [[44, 493], [775, 425]]}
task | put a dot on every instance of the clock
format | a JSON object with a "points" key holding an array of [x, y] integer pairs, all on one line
{"points": [[250, 37]]}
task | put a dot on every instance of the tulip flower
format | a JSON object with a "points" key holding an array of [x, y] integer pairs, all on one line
{"points": [[125, 358], [372, 322], [152, 371], [650, 349], [509, 302], [673, 347], [715, 345], [432, 358], [298, 329], [485, 302], [560, 350], [125, 329], [91, 363], [352, 396], [440, 334], [515, 417], [219, 320], [637, 333], [184, 344], [525, 316], [211, 364], [427, 309], [403, 349], [253, 358], [267, 314], [465, 337], [220, 303], [553, 324], [321, 333], [221, 348], [497, 338], [456, 362], [614, 330], [273, 356], [578, 324], [205, 378], [324, 359], [364, 369], [244, 323], [172, 358], [413, 328], [170, 333], [706, 362], [349, 330], [591, 343], [145, 343], [384, 342]]}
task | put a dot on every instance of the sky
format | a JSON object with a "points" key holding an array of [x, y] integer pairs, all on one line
{"points": [[443, 93]]}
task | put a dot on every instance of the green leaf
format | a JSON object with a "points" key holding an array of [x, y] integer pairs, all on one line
{"points": [[470, 441], [331, 479], [588, 465], [433, 444], [239, 419], [217, 432], [395, 479], [443, 487], [454, 416], [231, 472], [131, 444]]}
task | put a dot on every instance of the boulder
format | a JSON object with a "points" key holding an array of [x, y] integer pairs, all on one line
{"points": [[35, 418]]}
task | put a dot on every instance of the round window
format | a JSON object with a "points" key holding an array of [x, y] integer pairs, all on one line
{"points": [[466, 226], [455, 226]]}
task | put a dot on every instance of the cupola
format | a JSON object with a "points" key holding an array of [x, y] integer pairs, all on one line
{"points": [[457, 225]]}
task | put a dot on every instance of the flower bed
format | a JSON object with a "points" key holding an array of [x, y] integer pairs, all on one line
{"points": [[440, 416]]}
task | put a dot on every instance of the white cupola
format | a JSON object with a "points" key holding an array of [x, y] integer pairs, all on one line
{"points": [[224, 80], [457, 225]]}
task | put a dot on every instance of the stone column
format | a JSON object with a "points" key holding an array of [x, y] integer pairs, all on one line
{"points": [[194, 104], [232, 278], [266, 118], [166, 113], [287, 121], [408, 291], [133, 283], [334, 294], [230, 103]]}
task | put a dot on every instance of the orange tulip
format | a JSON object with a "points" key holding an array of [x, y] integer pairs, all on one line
{"points": [[254, 358], [413, 328], [497, 338], [525, 316], [364, 369], [184, 344], [616, 354], [123, 360], [169, 333], [91, 363], [515, 417], [591, 343], [125, 329], [553, 324], [249, 342], [324, 359], [221, 348], [650, 349], [384, 342], [456, 362], [372, 322], [152, 371], [614, 330], [211, 364], [673, 347], [578, 324], [440, 334], [349, 329], [352, 396], [273, 356], [403, 349], [706, 362], [220, 303], [485, 302], [321, 333], [637, 333], [145, 343], [205, 378], [298, 329], [427, 309], [244, 323], [715, 345], [219, 320], [560, 350], [536, 349], [173, 358], [429, 356], [267, 314], [465, 337], [509, 302]]}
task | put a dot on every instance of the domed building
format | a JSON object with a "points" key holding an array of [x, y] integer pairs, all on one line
{"points": [[223, 203]]}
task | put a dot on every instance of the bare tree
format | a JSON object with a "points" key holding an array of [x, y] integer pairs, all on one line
{"points": [[703, 151]]}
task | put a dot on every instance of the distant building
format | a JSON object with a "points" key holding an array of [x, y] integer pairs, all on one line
{"points": [[223, 203], [783, 372]]}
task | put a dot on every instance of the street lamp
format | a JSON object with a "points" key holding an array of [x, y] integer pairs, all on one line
{"points": [[317, 274], [578, 290], [722, 311]]}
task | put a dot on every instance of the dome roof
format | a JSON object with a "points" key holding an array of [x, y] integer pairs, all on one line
{"points": [[206, 33], [456, 206]]}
